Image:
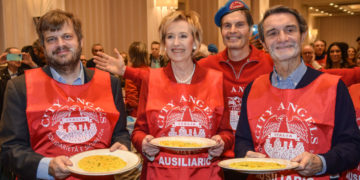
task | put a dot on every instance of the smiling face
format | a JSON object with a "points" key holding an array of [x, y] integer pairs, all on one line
{"points": [[179, 41], [351, 53], [282, 37], [235, 30], [307, 53], [335, 54], [62, 47], [319, 47]]}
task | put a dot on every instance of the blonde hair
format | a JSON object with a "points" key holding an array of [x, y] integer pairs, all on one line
{"points": [[191, 17]]}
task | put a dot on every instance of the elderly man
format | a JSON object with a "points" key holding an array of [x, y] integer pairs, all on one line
{"points": [[156, 59], [57, 111], [296, 112], [308, 55], [97, 47]]}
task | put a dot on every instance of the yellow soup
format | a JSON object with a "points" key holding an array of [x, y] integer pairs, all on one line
{"points": [[256, 165], [180, 144], [101, 163]]}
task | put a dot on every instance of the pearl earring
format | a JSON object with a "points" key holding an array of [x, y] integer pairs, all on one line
{"points": [[194, 47]]}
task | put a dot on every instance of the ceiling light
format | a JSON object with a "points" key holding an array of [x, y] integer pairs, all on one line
{"points": [[316, 10], [340, 8], [322, 11], [330, 14], [336, 6], [311, 8], [331, 4]]}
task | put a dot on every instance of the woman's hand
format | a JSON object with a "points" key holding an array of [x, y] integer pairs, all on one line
{"points": [[111, 64], [148, 148], [218, 149]]}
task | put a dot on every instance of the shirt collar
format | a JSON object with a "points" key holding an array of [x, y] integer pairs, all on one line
{"points": [[78, 81], [292, 80]]}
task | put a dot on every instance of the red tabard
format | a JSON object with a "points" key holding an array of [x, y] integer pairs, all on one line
{"points": [[68, 119], [354, 90], [287, 122], [184, 110]]}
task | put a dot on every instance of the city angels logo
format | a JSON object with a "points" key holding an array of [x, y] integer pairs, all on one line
{"points": [[188, 117], [286, 131], [75, 121]]}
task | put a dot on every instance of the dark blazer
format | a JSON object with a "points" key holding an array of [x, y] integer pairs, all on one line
{"points": [[4, 78], [16, 151]]}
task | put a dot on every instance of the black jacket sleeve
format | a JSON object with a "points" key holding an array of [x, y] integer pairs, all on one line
{"points": [[16, 152], [345, 146], [243, 138], [120, 133]]}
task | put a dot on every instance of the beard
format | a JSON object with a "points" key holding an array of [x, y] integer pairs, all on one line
{"points": [[64, 65], [284, 56]]}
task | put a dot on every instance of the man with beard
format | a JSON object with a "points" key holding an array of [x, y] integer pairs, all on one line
{"points": [[62, 109], [296, 112]]}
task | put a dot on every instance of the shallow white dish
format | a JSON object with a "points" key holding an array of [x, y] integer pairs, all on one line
{"points": [[288, 165], [131, 159], [205, 142]]}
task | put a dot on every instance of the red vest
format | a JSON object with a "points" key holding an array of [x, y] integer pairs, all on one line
{"points": [[354, 90], [184, 110], [287, 122], [68, 119]]}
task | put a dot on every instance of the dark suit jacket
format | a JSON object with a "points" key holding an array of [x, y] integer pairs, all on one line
{"points": [[16, 151], [4, 78]]}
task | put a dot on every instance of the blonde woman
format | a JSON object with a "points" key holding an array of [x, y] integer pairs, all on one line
{"points": [[181, 99]]}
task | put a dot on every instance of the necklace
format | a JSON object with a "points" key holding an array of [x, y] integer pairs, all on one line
{"points": [[185, 81]]}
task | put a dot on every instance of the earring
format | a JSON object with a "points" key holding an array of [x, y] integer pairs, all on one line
{"points": [[194, 47]]}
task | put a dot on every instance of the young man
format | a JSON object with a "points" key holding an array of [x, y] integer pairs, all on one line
{"points": [[240, 62], [320, 52], [296, 112], [60, 110]]}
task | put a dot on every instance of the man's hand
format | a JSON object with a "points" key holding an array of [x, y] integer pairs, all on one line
{"points": [[117, 146], [148, 148], [309, 164], [28, 60], [111, 64], [218, 149], [57, 167], [3, 58], [252, 154]]}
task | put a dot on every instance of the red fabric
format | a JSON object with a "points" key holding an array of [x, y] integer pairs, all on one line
{"points": [[257, 63], [68, 119], [322, 61], [348, 75], [287, 122], [132, 90], [354, 91], [131, 97], [171, 109]]}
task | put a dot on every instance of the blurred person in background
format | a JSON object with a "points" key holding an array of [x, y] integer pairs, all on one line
{"points": [[351, 57], [156, 59], [336, 56], [320, 52], [212, 49], [97, 47], [138, 59]]}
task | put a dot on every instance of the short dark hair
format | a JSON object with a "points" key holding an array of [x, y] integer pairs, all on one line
{"points": [[155, 42], [54, 21], [7, 50], [321, 41], [282, 9], [358, 38]]}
